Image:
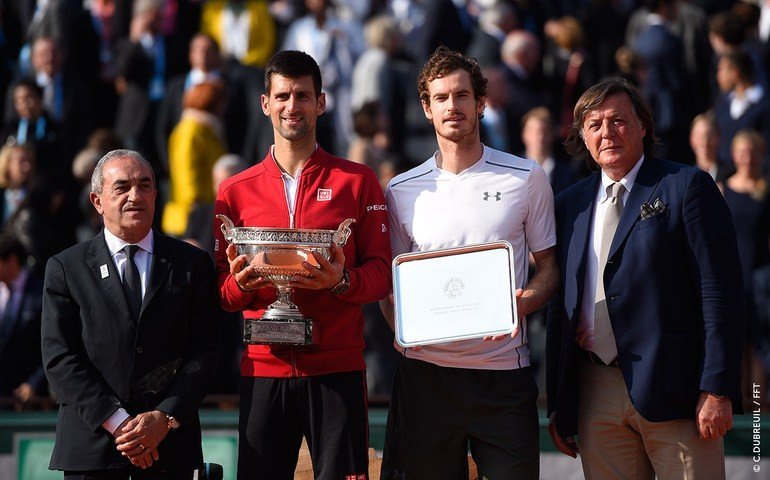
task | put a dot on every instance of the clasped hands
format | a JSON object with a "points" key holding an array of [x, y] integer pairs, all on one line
{"points": [[325, 276], [137, 438]]}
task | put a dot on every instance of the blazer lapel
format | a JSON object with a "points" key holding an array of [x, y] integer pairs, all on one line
{"points": [[159, 270], [644, 186], [576, 257], [580, 217], [99, 262]]}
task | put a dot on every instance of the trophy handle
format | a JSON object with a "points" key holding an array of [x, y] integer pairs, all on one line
{"points": [[226, 227], [343, 232]]}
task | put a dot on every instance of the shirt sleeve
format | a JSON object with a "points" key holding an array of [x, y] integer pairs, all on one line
{"points": [[540, 224], [370, 278], [400, 241], [112, 423]]}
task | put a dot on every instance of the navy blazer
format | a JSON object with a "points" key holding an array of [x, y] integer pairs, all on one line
{"points": [[98, 358], [674, 290], [20, 360]]}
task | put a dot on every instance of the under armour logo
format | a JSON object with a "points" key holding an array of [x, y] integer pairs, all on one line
{"points": [[497, 196]]}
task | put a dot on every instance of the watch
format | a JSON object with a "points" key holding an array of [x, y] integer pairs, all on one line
{"points": [[172, 423], [344, 284]]}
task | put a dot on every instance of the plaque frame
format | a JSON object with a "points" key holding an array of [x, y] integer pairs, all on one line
{"points": [[414, 329]]}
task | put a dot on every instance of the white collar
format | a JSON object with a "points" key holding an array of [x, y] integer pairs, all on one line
{"points": [[627, 181], [753, 94], [116, 244]]}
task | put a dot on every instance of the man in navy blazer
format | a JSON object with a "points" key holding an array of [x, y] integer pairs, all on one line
{"points": [[644, 365]]}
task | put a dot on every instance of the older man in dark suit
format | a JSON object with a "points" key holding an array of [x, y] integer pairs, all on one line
{"points": [[644, 339], [129, 340]]}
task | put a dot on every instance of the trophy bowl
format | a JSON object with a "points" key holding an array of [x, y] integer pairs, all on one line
{"points": [[277, 255]]}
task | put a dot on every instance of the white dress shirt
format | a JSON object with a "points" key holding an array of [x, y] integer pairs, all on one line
{"points": [[585, 330], [143, 260]]}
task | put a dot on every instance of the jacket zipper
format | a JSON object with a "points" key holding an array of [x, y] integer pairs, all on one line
{"points": [[291, 225]]}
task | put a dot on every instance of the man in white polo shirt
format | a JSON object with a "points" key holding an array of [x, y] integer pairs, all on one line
{"points": [[478, 393]]}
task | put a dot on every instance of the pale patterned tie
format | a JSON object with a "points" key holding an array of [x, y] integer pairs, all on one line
{"points": [[604, 339]]}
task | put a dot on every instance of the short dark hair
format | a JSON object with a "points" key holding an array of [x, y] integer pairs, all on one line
{"points": [[729, 27], [742, 63], [293, 64], [31, 85], [445, 61], [10, 246], [592, 99]]}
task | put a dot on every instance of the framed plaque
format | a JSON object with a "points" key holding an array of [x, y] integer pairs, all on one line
{"points": [[454, 294]]}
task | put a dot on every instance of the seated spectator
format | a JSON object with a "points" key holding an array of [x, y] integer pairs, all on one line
{"points": [[495, 23], [566, 69], [201, 217], [744, 103], [33, 126], [537, 133], [373, 75], [370, 147], [199, 233], [704, 142], [521, 55], [144, 62], [335, 44], [194, 146], [21, 296], [45, 222], [244, 29], [17, 169], [99, 143], [66, 99], [746, 194], [494, 127], [242, 107]]}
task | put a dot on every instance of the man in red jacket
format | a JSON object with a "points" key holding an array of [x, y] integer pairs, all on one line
{"points": [[318, 391]]}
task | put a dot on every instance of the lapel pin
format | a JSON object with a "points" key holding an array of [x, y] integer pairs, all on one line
{"points": [[104, 270], [162, 260]]}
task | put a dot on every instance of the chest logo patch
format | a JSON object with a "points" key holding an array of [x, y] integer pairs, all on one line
{"points": [[497, 196], [324, 194]]}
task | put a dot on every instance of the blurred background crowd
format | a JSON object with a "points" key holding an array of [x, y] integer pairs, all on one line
{"points": [[180, 81]]}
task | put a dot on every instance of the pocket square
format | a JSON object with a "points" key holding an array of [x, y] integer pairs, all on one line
{"points": [[650, 210]]}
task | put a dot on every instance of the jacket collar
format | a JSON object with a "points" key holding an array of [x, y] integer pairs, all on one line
{"points": [[317, 159], [102, 266]]}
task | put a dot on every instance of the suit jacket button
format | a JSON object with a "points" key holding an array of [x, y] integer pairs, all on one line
{"points": [[139, 350]]}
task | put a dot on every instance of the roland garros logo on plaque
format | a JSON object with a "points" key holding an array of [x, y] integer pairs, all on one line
{"points": [[454, 287]]}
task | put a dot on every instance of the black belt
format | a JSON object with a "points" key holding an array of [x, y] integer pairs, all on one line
{"points": [[594, 358]]}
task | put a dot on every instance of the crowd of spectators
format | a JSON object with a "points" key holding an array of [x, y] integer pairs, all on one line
{"points": [[180, 81]]}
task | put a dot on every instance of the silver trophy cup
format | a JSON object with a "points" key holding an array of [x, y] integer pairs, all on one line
{"points": [[277, 255]]}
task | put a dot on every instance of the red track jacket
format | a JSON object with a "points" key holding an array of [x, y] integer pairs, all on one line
{"points": [[330, 190]]}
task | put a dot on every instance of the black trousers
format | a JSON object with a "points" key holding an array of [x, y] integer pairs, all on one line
{"points": [[437, 412], [330, 411], [126, 473]]}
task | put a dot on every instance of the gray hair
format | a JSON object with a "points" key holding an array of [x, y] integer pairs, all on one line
{"points": [[380, 32], [497, 15], [142, 6], [97, 178], [516, 43], [231, 163]]}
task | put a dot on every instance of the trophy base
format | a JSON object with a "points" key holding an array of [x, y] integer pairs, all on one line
{"points": [[278, 331]]}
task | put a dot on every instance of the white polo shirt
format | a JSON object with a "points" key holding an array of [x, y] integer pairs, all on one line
{"points": [[500, 197]]}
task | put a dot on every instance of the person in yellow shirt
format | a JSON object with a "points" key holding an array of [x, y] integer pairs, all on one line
{"points": [[243, 29], [194, 146]]}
